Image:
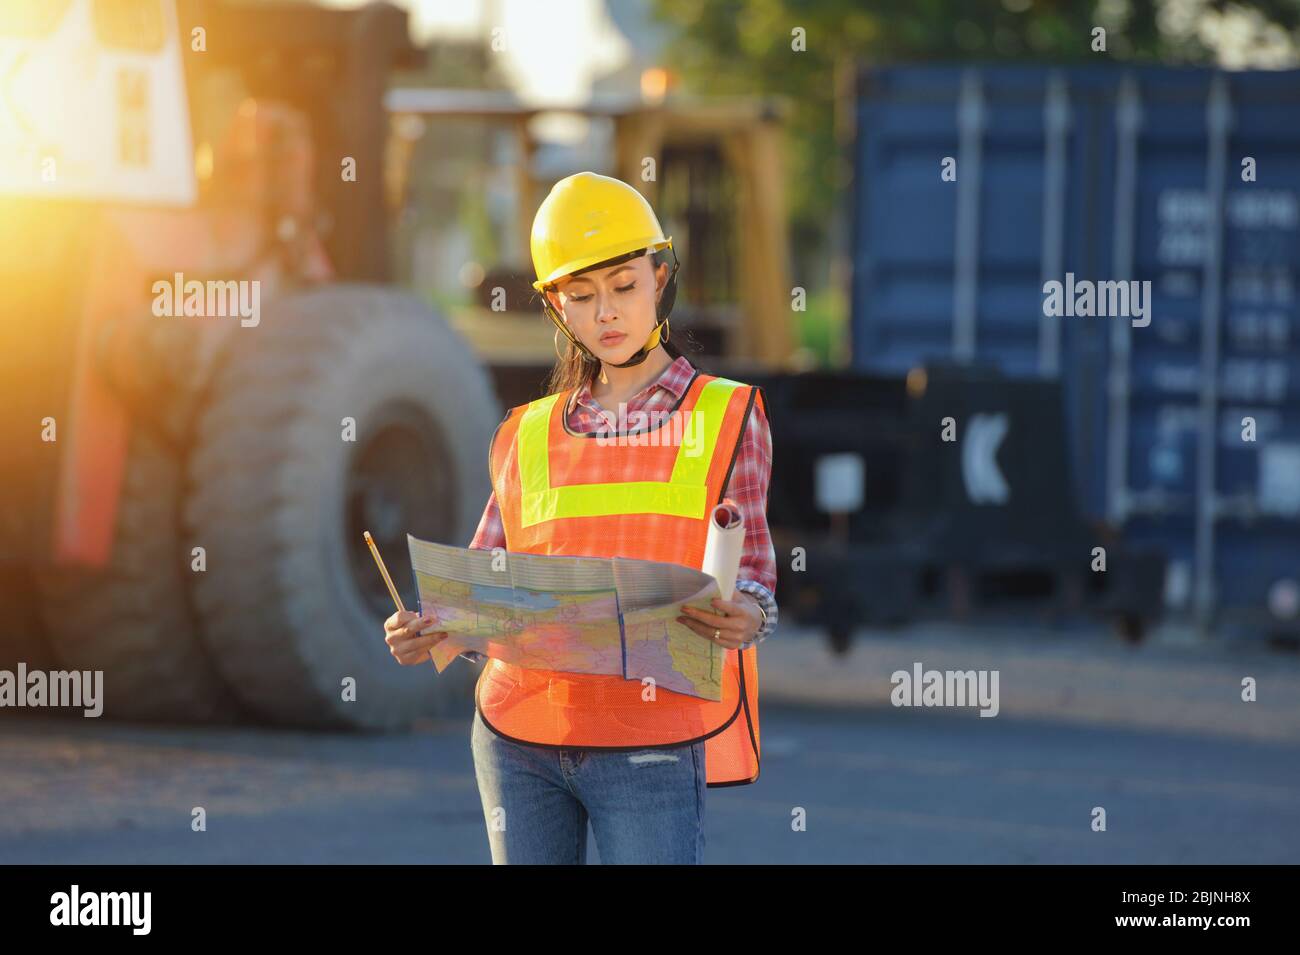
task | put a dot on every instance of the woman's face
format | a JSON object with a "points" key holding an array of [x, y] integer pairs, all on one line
{"points": [[612, 310]]}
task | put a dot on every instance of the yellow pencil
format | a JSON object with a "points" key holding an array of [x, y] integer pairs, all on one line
{"points": [[397, 599]]}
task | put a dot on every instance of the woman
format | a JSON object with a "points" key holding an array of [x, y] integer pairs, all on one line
{"points": [[553, 751]]}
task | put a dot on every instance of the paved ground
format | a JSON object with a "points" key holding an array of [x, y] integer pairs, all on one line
{"points": [[1084, 677], [1186, 772]]}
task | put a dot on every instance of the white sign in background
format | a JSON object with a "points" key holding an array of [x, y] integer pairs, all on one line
{"points": [[113, 119]]}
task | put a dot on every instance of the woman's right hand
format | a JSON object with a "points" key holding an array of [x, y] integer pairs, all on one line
{"points": [[402, 634]]}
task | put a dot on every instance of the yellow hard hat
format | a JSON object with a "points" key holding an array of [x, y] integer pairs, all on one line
{"points": [[588, 218]]}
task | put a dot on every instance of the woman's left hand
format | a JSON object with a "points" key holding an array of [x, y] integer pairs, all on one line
{"points": [[741, 623]]}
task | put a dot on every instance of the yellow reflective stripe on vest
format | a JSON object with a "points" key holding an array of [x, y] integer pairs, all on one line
{"points": [[709, 412], [601, 500], [684, 494], [534, 462]]}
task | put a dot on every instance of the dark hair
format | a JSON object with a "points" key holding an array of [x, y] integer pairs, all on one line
{"points": [[576, 369]]}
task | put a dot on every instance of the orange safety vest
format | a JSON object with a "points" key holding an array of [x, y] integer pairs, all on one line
{"points": [[573, 494]]}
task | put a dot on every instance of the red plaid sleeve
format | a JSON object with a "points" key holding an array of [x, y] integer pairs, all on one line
{"points": [[748, 487], [491, 532]]}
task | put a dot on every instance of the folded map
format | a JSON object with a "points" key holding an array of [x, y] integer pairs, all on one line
{"points": [[613, 616]]}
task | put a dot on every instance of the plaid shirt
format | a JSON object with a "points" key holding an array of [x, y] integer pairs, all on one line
{"points": [[747, 486]]}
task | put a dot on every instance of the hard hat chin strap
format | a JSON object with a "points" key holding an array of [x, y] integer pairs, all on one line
{"points": [[663, 307], [641, 355], [644, 351], [636, 359]]}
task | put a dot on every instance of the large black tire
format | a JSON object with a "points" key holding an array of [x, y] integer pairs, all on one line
{"points": [[291, 602], [133, 619]]}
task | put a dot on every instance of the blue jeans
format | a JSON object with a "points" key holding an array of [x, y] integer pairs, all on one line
{"points": [[645, 806]]}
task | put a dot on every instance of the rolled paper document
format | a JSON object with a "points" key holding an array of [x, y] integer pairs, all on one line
{"points": [[722, 547]]}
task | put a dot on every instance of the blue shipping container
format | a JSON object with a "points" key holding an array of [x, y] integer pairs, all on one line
{"points": [[975, 187]]}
